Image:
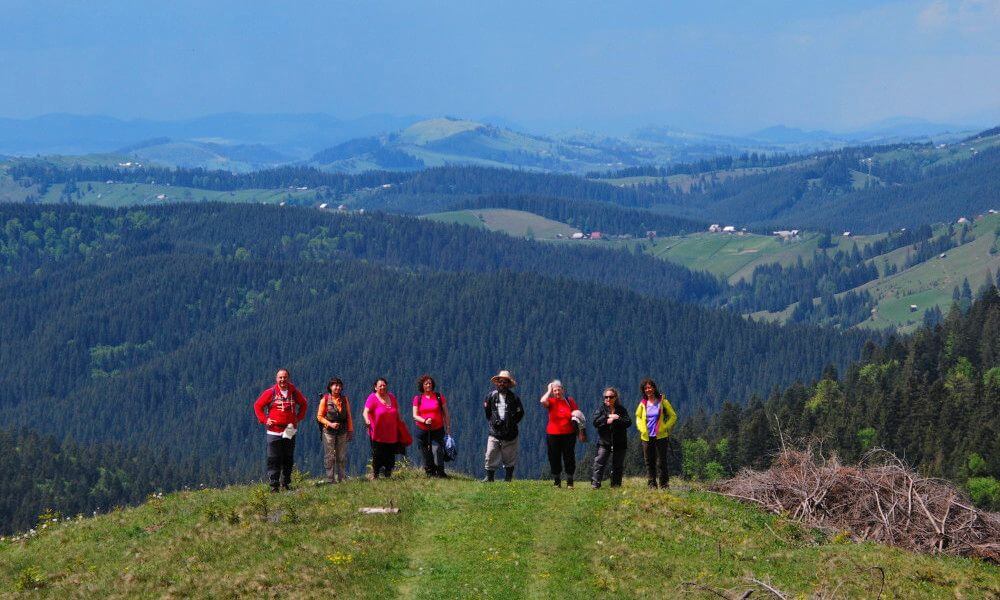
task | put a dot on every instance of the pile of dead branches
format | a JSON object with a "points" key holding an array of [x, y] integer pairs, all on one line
{"points": [[880, 500]]}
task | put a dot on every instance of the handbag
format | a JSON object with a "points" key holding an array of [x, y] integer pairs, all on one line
{"points": [[450, 449]]}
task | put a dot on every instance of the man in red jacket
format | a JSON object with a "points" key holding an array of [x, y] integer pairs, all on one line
{"points": [[279, 409]]}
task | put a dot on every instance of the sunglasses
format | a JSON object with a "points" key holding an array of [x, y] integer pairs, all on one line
{"points": [[610, 397]]}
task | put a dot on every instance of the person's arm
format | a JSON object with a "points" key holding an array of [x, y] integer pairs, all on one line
{"points": [[598, 419], [258, 407], [486, 408], [416, 411], [366, 413], [518, 409], [350, 417], [623, 418], [544, 400], [321, 412], [639, 416], [445, 415], [301, 406], [671, 415]]}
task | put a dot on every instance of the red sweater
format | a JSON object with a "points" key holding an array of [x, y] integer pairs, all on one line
{"points": [[284, 411]]}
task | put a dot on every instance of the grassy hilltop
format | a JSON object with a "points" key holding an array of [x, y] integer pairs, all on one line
{"points": [[459, 538]]}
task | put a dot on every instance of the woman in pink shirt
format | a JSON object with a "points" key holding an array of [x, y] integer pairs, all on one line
{"points": [[561, 432], [430, 413], [381, 414]]}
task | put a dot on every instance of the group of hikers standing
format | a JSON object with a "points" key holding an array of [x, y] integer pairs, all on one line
{"points": [[282, 407]]}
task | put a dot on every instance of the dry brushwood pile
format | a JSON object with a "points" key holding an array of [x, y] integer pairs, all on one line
{"points": [[879, 500]]}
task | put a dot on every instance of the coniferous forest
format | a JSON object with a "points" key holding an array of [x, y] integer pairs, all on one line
{"points": [[153, 330]]}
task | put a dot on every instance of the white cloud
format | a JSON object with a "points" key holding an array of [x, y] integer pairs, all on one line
{"points": [[964, 16]]}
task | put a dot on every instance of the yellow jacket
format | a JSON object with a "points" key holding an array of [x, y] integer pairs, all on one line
{"points": [[666, 422]]}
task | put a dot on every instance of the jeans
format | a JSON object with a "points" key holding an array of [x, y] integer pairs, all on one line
{"points": [[432, 447], [657, 461], [383, 459], [280, 459], [617, 456], [335, 455], [562, 453]]}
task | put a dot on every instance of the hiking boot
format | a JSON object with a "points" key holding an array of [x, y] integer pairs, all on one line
{"points": [[440, 473], [569, 482], [508, 474], [557, 482], [651, 484], [595, 485], [489, 477]]}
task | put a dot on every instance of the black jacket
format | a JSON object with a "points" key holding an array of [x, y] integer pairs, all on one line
{"points": [[506, 428], [616, 434]]}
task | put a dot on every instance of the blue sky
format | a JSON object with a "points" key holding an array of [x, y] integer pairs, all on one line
{"points": [[709, 65]]}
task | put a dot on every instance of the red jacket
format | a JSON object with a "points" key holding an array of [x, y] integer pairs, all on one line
{"points": [[270, 405]]}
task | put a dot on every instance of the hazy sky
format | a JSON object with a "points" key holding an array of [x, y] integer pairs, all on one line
{"points": [[711, 65]]}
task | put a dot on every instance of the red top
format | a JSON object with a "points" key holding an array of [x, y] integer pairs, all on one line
{"points": [[428, 407], [284, 410], [560, 416], [384, 419]]}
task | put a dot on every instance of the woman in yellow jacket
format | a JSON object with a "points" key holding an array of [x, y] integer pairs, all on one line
{"points": [[655, 419]]}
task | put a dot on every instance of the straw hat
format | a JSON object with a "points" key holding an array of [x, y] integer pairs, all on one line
{"points": [[504, 375]]}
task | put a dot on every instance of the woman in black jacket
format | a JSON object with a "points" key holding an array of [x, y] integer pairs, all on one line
{"points": [[612, 422]]}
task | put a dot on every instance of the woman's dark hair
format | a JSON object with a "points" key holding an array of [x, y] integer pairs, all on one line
{"points": [[422, 379], [642, 388], [332, 382], [375, 383]]}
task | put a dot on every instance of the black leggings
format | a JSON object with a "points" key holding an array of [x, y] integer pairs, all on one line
{"points": [[383, 459], [562, 453], [432, 447], [280, 460]]}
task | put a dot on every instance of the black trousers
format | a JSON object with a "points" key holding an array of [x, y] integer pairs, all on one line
{"points": [[432, 447], [616, 454], [655, 453], [383, 459], [280, 460], [562, 453]]}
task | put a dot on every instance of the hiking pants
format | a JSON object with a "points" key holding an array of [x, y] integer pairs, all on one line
{"points": [[280, 457], [657, 461], [432, 447], [562, 453], [335, 455], [383, 459], [500, 451], [617, 456]]}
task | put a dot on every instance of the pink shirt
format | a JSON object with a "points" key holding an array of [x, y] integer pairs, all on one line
{"points": [[384, 419], [428, 407]]}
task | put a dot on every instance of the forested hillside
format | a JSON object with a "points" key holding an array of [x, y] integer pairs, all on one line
{"points": [[931, 399], [157, 328]]}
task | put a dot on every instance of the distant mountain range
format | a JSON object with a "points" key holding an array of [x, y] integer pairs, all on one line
{"points": [[243, 142]]}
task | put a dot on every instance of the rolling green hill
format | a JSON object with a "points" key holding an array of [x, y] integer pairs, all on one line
{"points": [[458, 538]]}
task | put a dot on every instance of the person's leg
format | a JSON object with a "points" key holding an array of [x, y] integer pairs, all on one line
{"points": [[493, 457], [424, 442], [663, 458], [287, 453], [330, 455], [273, 461], [617, 465], [555, 457], [341, 461], [437, 438], [600, 463], [649, 455], [376, 459], [569, 456], [390, 459], [509, 454]]}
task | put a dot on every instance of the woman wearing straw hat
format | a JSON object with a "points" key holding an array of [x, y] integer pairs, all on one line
{"points": [[561, 431], [503, 412]]}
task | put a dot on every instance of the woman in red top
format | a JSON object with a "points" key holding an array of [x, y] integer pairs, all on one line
{"points": [[382, 417], [430, 413], [561, 432]]}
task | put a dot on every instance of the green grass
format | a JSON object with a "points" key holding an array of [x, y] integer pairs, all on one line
{"points": [[514, 222], [460, 538]]}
